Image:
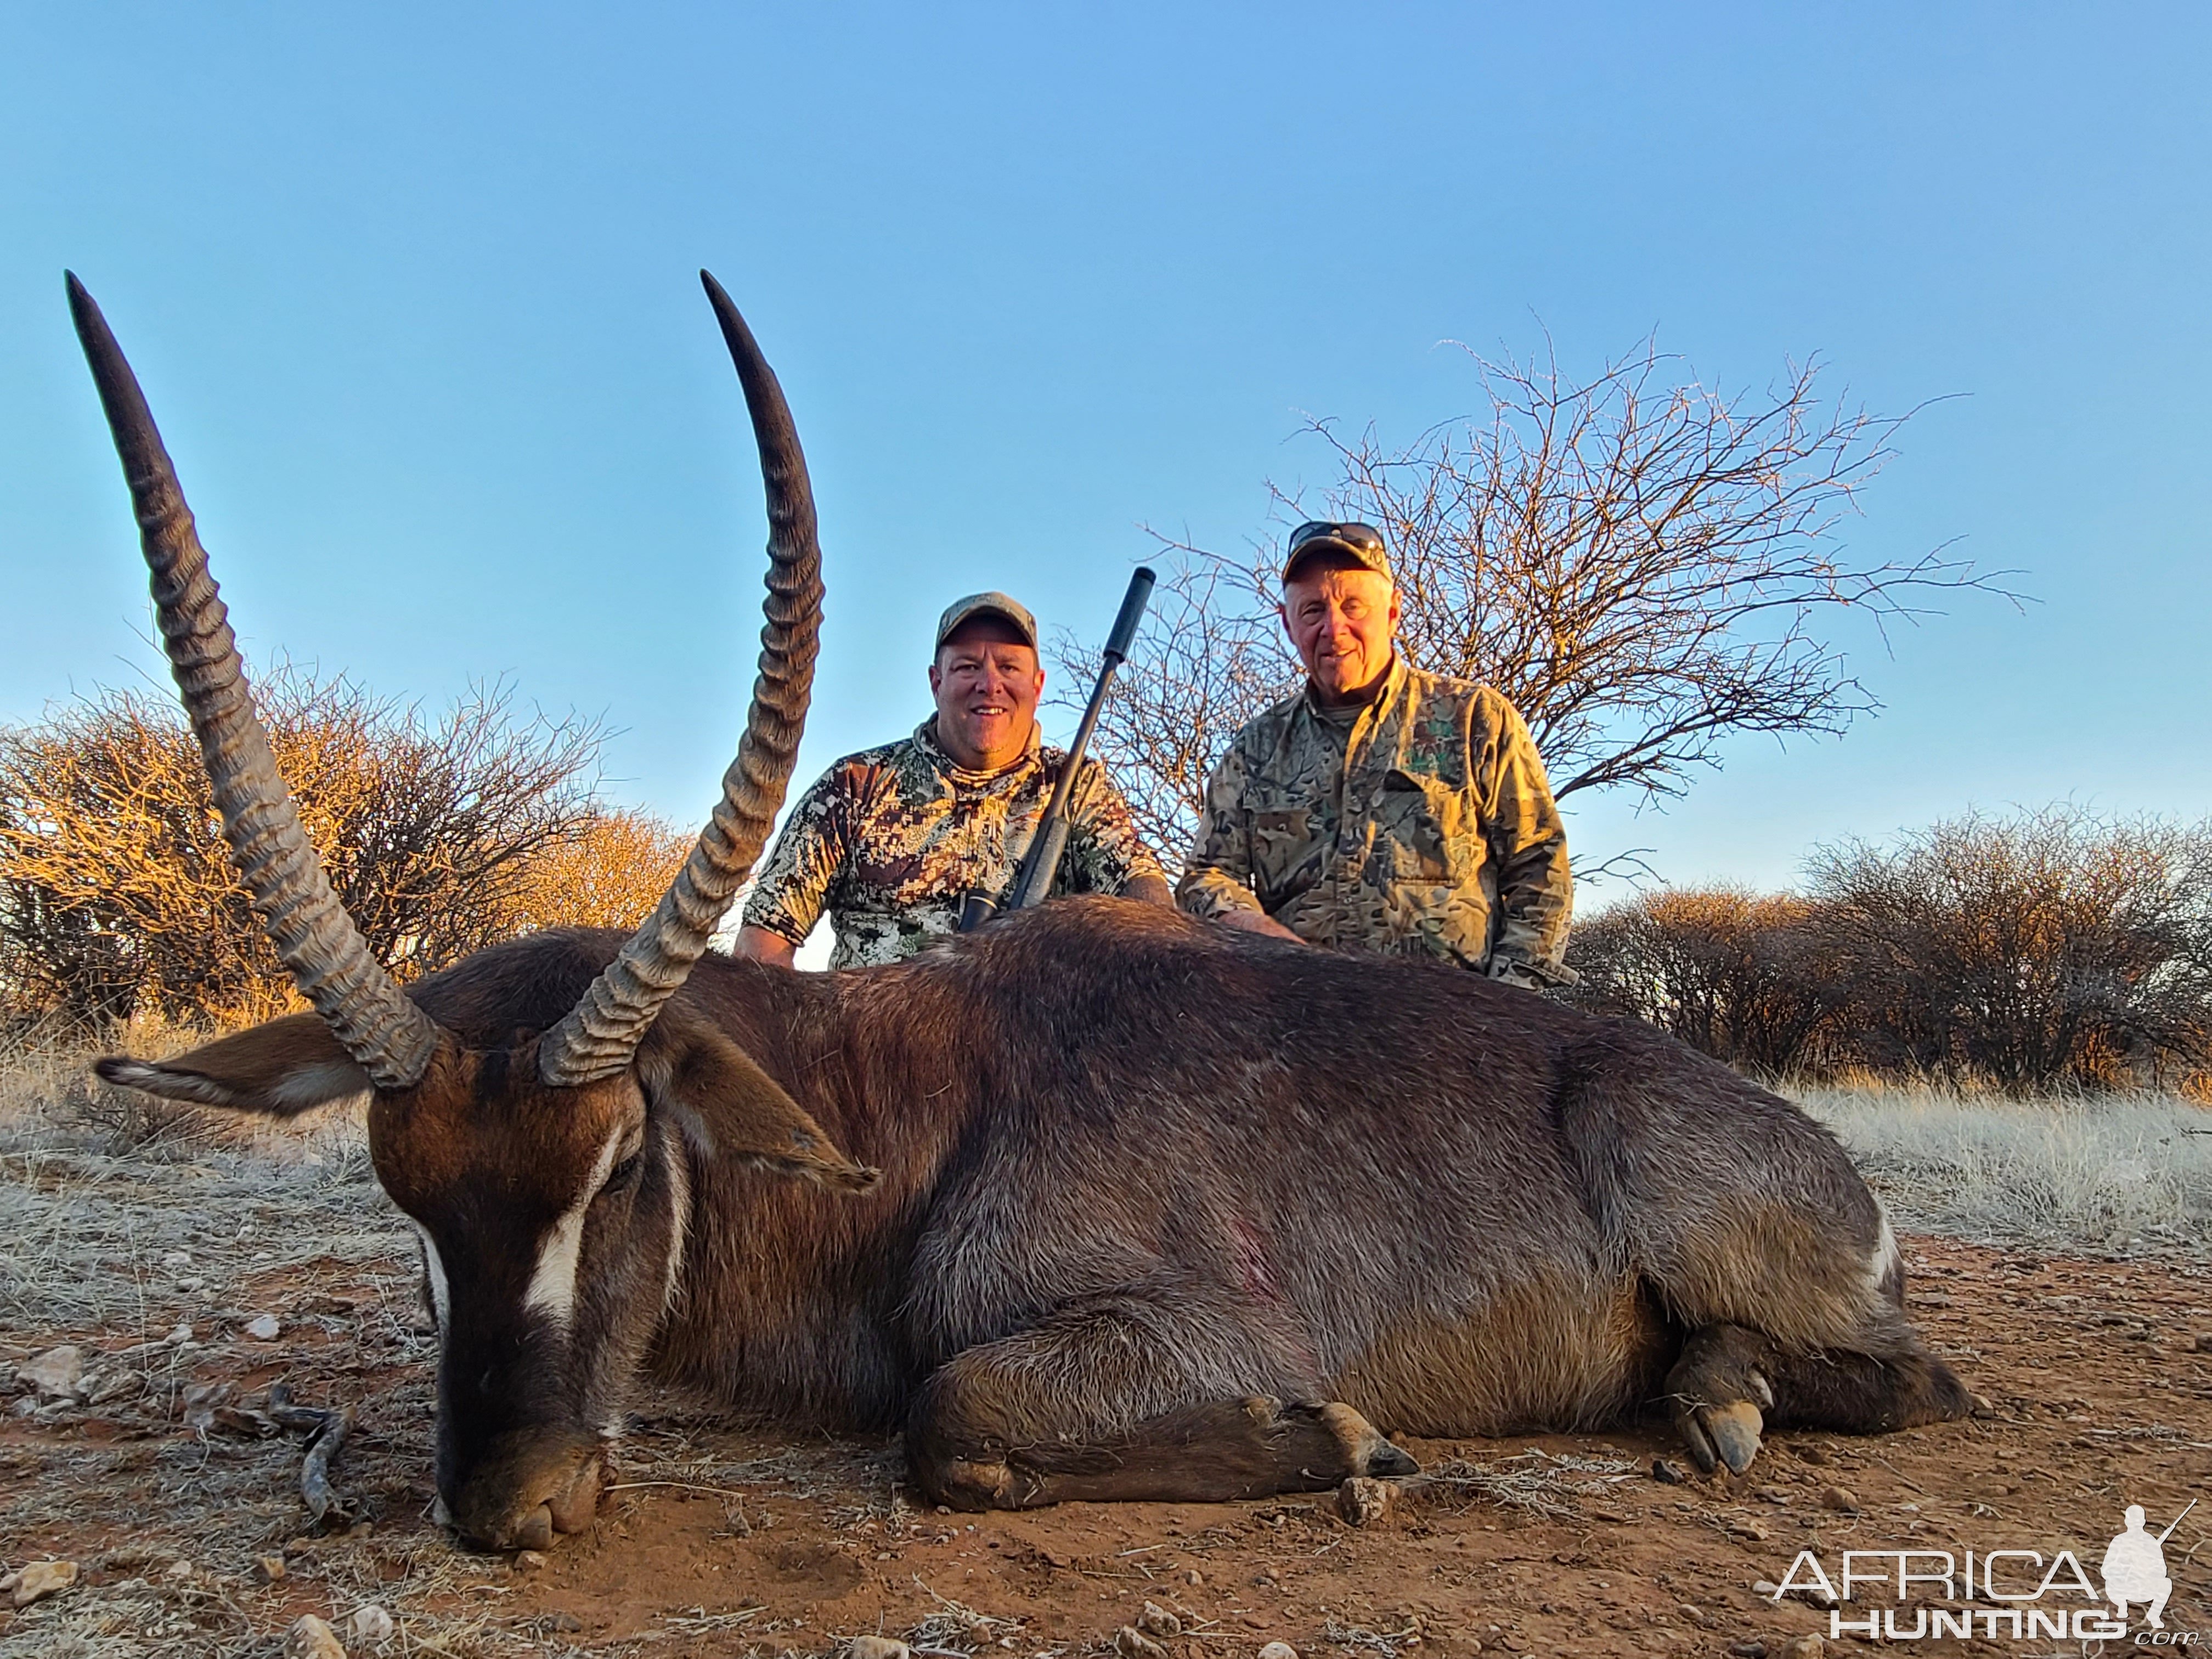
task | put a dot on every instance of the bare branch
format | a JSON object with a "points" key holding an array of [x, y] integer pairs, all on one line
{"points": [[1644, 565]]}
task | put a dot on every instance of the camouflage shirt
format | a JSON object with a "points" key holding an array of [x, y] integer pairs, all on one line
{"points": [[1420, 824], [888, 839]]}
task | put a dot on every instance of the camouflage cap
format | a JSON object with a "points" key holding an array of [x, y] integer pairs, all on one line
{"points": [[1362, 543], [988, 604]]}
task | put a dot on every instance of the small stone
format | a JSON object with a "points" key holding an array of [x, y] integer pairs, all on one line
{"points": [[1690, 1614], [564, 1624], [1749, 1531], [263, 1327], [371, 1626], [56, 1374], [311, 1639], [178, 1337], [1132, 1644], [268, 1569], [1766, 1589], [1194, 1578], [1802, 1647], [1363, 1500], [1840, 1499], [179, 1568], [41, 1579], [100, 1386], [877, 1647], [1667, 1472], [1278, 1650], [2204, 1342], [1747, 1650], [1811, 1453], [529, 1560], [1157, 1621]]}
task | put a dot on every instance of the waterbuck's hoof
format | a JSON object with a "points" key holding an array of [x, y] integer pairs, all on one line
{"points": [[1715, 1435], [1390, 1461], [1365, 1451]]}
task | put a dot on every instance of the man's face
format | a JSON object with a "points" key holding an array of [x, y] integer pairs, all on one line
{"points": [[1340, 622], [987, 683]]}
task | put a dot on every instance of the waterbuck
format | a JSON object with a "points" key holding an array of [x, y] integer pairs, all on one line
{"points": [[1099, 1203]]}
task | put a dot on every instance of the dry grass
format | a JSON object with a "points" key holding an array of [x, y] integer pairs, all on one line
{"points": [[1541, 1482], [2127, 1173]]}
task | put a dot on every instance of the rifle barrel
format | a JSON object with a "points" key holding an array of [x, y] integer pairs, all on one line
{"points": [[1034, 879], [2176, 1521]]}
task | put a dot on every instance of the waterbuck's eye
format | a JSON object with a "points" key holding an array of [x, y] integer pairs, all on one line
{"points": [[625, 1174]]}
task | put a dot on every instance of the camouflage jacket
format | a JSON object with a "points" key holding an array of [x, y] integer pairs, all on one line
{"points": [[1420, 824], [888, 839]]}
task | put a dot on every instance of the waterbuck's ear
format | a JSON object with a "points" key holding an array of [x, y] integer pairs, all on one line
{"points": [[286, 1066], [731, 1108]]}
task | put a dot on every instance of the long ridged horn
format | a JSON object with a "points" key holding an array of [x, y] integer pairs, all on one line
{"points": [[599, 1036], [317, 941]]}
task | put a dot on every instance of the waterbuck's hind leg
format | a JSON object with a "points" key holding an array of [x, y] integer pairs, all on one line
{"points": [[1732, 1383], [1206, 1454]]}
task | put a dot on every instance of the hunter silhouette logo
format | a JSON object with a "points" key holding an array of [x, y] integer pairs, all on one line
{"points": [[2134, 1567], [2004, 1592]]}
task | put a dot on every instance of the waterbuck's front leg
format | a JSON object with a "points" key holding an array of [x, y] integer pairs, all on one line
{"points": [[1124, 1399]]}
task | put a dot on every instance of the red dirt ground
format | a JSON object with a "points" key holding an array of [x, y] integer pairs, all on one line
{"points": [[724, 1540]]}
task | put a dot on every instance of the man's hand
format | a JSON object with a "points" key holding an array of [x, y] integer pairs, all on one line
{"points": [[763, 945], [1148, 890], [1258, 922]]}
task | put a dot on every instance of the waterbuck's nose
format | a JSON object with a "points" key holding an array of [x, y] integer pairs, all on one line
{"points": [[524, 1493]]}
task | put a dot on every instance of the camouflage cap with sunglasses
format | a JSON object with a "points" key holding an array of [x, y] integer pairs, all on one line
{"points": [[1361, 545]]}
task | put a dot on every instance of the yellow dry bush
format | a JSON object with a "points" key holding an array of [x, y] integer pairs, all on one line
{"points": [[1737, 974], [116, 896], [609, 874]]}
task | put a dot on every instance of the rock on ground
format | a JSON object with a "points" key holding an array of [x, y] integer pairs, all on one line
{"points": [[56, 1374], [43, 1578], [1364, 1500], [371, 1625], [311, 1639]]}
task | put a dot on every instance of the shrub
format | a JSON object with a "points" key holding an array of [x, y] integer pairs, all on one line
{"points": [[1740, 975], [116, 896], [2051, 948]]}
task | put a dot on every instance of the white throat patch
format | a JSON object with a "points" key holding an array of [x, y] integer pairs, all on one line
{"points": [[434, 1269], [553, 1286]]}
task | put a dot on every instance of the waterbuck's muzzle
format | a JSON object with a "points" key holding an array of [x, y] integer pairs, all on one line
{"points": [[530, 1484]]}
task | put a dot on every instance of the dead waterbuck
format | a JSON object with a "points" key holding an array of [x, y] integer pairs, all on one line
{"points": [[1099, 1203]]}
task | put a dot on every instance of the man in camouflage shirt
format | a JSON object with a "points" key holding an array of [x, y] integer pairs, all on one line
{"points": [[890, 839], [1382, 808]]}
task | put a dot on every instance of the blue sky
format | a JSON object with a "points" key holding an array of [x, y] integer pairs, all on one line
{"points": [[411, 291]]}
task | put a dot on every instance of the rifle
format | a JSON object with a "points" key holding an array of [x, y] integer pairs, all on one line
{"points": [[1033, 878]]}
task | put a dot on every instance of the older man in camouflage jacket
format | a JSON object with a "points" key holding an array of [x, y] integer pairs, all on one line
{"points": [[888, 839], [1382, 808]]}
